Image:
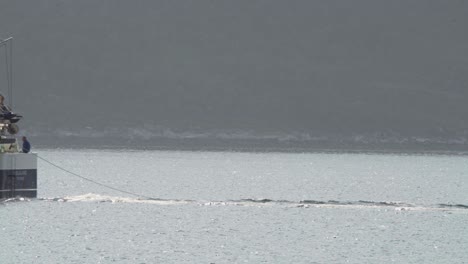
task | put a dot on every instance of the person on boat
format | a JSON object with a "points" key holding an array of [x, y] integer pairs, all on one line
{"points": [[3, 107], [6, 114], [26, 145], [5, 111]]}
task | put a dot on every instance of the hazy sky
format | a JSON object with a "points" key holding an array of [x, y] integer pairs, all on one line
{"points": [[319, 66]]}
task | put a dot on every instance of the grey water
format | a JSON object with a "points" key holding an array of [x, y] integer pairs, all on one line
{"points": [[387, 76], [236, 207]]}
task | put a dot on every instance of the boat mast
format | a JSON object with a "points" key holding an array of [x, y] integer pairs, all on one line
{"points": [[8, 44]]}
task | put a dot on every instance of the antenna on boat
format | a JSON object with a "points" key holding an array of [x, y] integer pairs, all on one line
{"points": [[8, 44]]}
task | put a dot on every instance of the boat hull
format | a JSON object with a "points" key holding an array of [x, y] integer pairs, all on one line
{"points": [[18, 175]]}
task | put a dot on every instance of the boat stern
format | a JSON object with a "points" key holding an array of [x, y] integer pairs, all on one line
{"points": [[18, 175]]}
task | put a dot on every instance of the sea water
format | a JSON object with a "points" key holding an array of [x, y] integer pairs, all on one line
{"points": [[228, 207]]}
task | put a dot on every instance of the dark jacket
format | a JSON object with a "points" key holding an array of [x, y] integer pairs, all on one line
{"points": [[26, 146]]}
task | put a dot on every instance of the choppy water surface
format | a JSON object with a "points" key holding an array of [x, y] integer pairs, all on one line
{"points": [[221, 207]]}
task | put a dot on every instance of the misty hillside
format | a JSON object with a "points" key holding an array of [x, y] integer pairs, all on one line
{"points": [[317, 67]]}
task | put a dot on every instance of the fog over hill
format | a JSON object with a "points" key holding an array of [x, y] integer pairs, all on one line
{"points": [[361, 71]]}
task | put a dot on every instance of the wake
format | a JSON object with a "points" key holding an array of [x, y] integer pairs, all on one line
{"points": [[360, 204]]}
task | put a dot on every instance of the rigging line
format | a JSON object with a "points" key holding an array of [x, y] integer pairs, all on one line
{"points": [[11, 73], [93, 181], [7, 67]]}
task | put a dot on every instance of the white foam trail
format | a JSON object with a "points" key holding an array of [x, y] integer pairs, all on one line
{"points": [[91, 197], [97, 198]]}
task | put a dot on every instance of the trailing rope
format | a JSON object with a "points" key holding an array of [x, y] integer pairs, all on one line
{"points": [[93, 181]]}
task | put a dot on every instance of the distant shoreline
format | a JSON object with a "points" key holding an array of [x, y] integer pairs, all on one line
{"points": [[254, 146]]}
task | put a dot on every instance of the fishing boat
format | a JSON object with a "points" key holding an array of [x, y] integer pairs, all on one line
{"points": [[18, 170]]}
